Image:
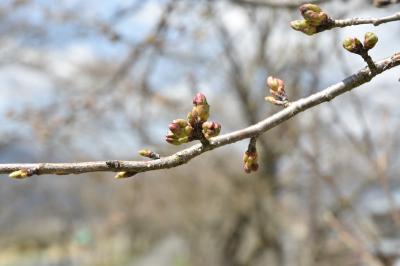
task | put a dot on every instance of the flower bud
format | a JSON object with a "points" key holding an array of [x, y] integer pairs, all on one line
{"points": [[171, 139], [275, 84], [370, 39], [180, 132], [303, 26], [313, 14], [121, 175], [250, 161], [199, 113], [277, 89], [20, 174], [199, 98], [149, 154], [145, 153], [180, 127], [211, 129], [353, 45], [314, 18], [309, 7]]}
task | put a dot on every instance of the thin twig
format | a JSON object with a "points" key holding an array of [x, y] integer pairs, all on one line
{"points": [[382, 3], [351, 241], [276, 3], [184, 156], [340, 23]]}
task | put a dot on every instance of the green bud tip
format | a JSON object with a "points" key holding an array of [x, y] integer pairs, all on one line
{"points": [[145, 153], [315, 19], [309, 7], [353, 45], [370, 40], [20, 174], [121, 175], [303, 26]]}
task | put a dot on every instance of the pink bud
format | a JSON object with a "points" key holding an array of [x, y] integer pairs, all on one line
{"points": [[199, 99]]}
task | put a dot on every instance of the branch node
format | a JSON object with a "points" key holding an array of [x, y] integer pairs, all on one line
{"points": [[113, 164]]}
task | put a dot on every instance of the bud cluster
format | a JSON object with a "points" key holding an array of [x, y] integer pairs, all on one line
{"points": [[277, 89], [315, 20], [250, 157], [250, 161], [354, 45], [195, 126], [180, 131]]}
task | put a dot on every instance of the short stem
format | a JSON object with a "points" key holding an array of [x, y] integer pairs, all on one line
{"points": [[198, 134], [252, 145], [369, 61]]}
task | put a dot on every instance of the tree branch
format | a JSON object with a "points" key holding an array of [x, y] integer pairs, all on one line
{"points": [[184, 156], [341, 23], [382, 3], [277, 3]]}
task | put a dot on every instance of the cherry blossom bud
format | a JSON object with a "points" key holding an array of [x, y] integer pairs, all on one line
{"points": [[277, 89], [370, 39], [250, 161], [313, 14], [180, 132], [315, 19], [149, 154], [303, 26], [20, 174], [199, 98], [309, 7], [353, 45], [211, 129], [275, 84], [121, 175]]}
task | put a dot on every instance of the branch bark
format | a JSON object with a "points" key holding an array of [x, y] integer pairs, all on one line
{"points": [[362, 76], [341, 23], [382, 3], [277, 3]]}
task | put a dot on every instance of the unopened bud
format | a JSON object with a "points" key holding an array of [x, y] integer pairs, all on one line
{"points": [[313, 14], [180, 132], [172, 140], [370, 39], [20, 174], [315, 19], [211, 129], [353, 45], [250, 161], [199, 113], [121, 175], [149, 154], [303, 26], [199, 98], [309, 7], [277, 89], [180, 127], [145, 153], [275, 84]]}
